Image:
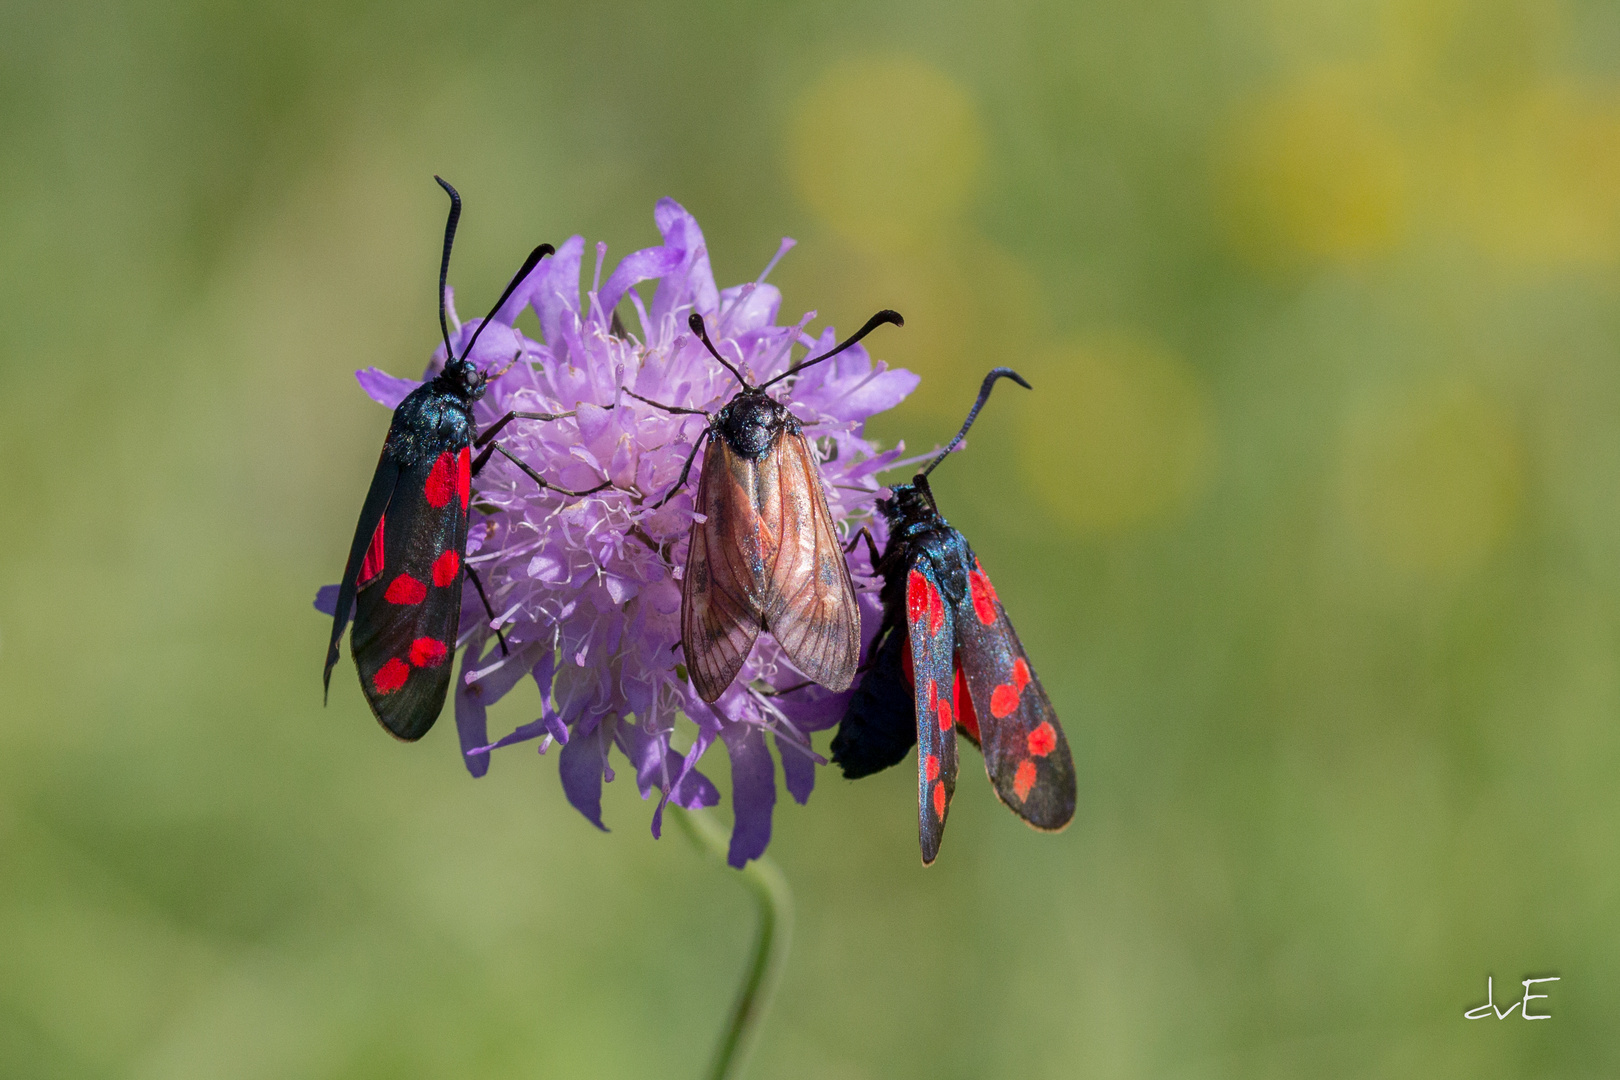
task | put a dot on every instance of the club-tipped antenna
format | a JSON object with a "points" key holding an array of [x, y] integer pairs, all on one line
{"points": [[444, 263], [884, 316], [696, 323], [523, 272], [973, 413]]}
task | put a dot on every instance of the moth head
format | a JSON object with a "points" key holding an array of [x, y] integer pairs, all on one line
{"points": [[462, 378], [909, 502]]}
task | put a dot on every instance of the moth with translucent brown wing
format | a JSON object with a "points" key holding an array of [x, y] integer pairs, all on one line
{"points": [[946, 659], [763, 554], [407, 560]]}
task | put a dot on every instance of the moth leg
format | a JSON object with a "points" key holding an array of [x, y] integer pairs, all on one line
{"points": [[537, 478], [676, 409], [479, 586], [686, 471], [768, 692], [871, 545], [495, 428]]}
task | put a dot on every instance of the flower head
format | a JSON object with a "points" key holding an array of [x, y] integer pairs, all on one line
{"points": [[587, 589]]}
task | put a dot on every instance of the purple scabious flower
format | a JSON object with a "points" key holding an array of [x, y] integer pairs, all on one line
{"points": [[587, 590]]}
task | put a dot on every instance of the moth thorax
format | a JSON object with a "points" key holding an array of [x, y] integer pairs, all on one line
{"points": [[750, 424]]}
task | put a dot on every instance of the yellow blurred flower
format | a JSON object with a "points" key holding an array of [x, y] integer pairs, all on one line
{"points": [[1534, 180], [1312, 172]]}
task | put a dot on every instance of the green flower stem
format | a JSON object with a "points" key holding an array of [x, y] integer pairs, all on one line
{"points": [[770, 950]]}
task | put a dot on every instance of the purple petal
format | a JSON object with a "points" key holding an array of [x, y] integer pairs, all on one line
{"points": [[523, 733], [555, 290], [637, 266], [507, 313], [815, 708], [798, 769], [695, 790], [878, 394], [326, 599], [753, 791], [748, 308], [580, 766], [692, 282], [543, 672], [471, 716], [495, 346], [474, 699], [383, 388], [649, 754]]}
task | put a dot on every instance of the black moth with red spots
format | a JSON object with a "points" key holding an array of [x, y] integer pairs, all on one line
{"points": [[946, 659], [406, 562]]}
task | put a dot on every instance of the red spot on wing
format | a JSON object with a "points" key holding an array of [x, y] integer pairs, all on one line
{"points": [[916, 597], [964, 706], [371, 567], [1043, 740], [391, 676], [464, 476], [1024, 779], [931, 768], [428, 652], [933, 696], [441, 483], [445, 568], [1003, 702], [945, 719], [405, 590], [984, 595], [924, 606], [1004, 698], [939, 800]]}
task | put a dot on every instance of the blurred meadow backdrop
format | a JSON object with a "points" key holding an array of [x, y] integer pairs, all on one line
{"points": [[1310, 526]]}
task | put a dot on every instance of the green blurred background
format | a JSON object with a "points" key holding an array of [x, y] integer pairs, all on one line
{"points": [[1310, 527]]}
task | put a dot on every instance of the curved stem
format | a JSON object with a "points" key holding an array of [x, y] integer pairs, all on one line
{"points": [[775, 900]]}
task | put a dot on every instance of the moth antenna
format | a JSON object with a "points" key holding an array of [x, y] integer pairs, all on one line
{"points": [[528, 264], [696, 323], [444, 263], [884, 316], [984, 395]]}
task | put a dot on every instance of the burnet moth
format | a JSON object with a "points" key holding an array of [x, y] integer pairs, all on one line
{"points": [[763, 554], [408, 557], [947, 659]]}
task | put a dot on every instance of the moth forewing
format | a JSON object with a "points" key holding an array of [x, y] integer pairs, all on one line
{"points": [[929, 625], [1026, 754], [408, 614], [810, 606], [720, 614], [372, 512]]}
